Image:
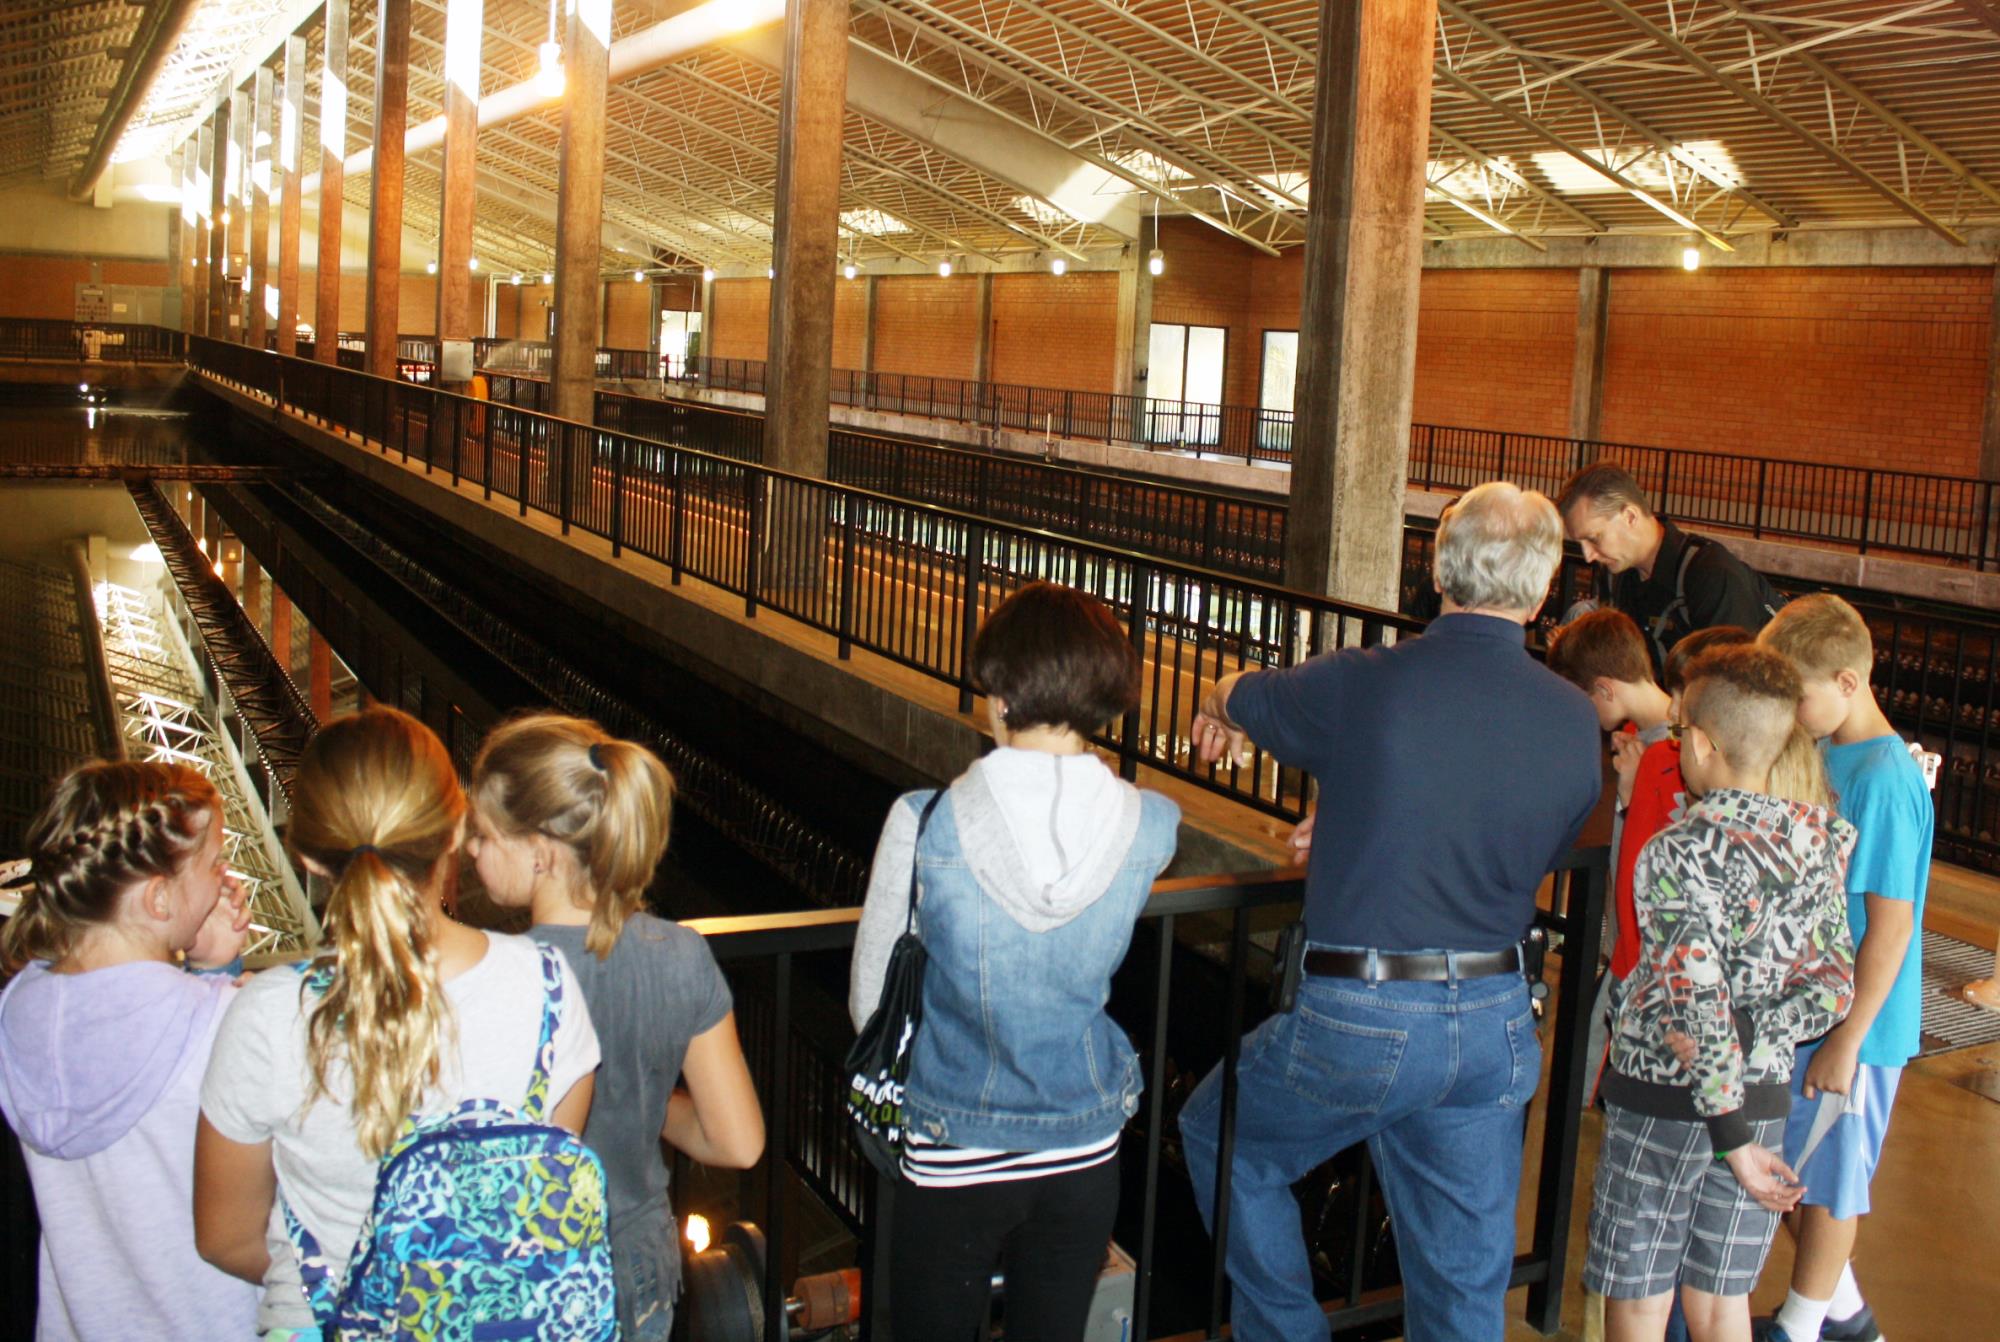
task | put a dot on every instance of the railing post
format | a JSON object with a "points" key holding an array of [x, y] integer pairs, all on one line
{"points": [[1985, 525], [1867, 507], [676, 513], [1757, 518], [1500, 472], [488, 414], [1666, 508], [617, 495], [1139, 604], [561, 464], [753, 503], [968, 609], [850, 511]]}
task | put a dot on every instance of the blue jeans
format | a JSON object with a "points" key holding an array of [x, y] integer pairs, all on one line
{"points": [[1436, 1078]]}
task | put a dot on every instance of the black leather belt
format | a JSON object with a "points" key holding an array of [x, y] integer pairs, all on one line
{"points": [[1389, 966]]}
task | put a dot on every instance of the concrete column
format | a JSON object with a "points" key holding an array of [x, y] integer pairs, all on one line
{"points": [[463, 29], [319, 676], [868, 324], [1586, 375], [1364, 239], [191, 238], [281, 628], [333, 151], [385, 183], [215, 147], [580, 210], [259, 182], [653, 308], [1989, 438], [812, 108], [1135, 315], [285, 180], [177, 267], [242, 129], [982, 348]]}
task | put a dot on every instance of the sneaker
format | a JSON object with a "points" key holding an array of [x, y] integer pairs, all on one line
{"points": [[1766, 1328], [1860, 1328]]}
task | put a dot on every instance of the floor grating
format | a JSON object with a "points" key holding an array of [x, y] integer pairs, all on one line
{"points": [[1951, 1022]]}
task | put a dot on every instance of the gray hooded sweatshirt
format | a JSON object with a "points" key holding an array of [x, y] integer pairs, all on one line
{"points": [[1043, 835], [100, 1077]]}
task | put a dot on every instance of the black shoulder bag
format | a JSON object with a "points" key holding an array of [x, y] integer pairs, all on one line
{"points": [[878, 1064]]}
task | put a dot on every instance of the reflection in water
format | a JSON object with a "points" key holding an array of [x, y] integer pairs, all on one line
{"points": [[94, 435]]}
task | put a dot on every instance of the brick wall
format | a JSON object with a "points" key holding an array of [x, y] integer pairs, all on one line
{"points": [[927, 324], [626, 314], [416, 303], [45, 286], [1872, 367], [741, 312], [1056, 330], [1208, 281], [850, 321], [1494, 349]]}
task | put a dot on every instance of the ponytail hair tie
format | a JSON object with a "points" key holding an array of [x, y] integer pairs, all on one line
{"points": [[361, 848], [596, 757]]}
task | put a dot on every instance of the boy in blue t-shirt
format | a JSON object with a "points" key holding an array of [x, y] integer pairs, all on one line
{"points": [[1845, 1083]]}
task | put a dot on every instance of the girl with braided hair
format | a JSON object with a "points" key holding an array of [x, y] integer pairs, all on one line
{"points": [[103, 1042], [405, 1013]]}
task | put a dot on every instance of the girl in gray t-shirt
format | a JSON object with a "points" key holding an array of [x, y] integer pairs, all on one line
{"points": [[570, 823]]}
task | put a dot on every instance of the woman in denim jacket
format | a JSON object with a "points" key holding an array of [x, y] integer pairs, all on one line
{"points": [[1032, 870]]}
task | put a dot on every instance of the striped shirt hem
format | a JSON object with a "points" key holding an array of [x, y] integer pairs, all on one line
{"points": [[932, 1166]]}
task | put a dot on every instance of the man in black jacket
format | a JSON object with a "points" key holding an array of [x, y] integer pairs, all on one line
{"points": [[1670, 583]]}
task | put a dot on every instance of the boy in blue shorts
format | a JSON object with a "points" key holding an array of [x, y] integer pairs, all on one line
{"points": [[1844, 1084]]}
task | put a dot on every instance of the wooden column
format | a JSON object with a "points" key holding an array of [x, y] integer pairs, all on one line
{"points": [[812, 110], [215, 148], [1989, 439], [1586, 374], [332, 170], [281, 628], [385, 183], [1358, 323], [285, 180], [319, 675], [580, 210], [261, 159], [463, 29]]}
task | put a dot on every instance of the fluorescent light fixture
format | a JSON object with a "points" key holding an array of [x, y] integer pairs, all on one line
{"points": [[1058, 266]]}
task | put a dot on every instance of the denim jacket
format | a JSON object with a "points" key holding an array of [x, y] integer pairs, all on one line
{"points": [[1016, 1052]]}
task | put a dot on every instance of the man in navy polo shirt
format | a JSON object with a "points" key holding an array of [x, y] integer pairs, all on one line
{"points": [[1453, 772]]}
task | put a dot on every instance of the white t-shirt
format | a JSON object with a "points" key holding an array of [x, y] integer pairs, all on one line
{"points": [[259, 1078]]}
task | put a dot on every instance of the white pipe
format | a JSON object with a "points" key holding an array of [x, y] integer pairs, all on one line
{"points": [[702, 26]]}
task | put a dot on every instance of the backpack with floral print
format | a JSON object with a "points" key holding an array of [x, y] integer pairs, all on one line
{"points": [[488, 1222]]}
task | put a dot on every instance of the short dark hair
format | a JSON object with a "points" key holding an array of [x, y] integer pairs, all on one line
{"points": [[1606, 487], [1058, 657], [1674, 671], [1603, 643], [1746, 698]]}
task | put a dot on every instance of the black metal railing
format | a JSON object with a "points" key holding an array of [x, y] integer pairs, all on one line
{"points": [[795, 1055], [1952, 518], [906, 581], [89, 342]]}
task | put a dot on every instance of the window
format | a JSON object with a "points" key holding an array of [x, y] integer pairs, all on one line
{"points": [[1278, 378], [675, 330], [1184, 383]]}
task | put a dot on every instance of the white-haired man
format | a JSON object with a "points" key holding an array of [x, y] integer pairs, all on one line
{"points": [[1453, 772]]}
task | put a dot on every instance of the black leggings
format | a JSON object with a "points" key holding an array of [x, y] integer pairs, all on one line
{"points": [[1048, 1235]]}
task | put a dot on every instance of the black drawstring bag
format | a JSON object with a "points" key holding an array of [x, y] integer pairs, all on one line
{"points": [[878, 1064]]}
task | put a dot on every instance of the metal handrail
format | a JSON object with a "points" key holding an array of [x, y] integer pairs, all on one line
{"points": [[907, 581]]}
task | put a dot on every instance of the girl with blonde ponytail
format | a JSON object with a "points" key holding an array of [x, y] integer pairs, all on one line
{"points": [[103, 1038], [405, 1013], [570, 822]]}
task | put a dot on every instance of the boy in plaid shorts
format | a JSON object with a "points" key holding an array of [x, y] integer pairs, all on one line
{"points": [[1744, 951]]}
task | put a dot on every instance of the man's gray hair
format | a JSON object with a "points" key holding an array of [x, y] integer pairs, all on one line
{"points": [[1498, 547]]}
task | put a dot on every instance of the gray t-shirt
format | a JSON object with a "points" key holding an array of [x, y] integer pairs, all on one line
{"points": [[657, 990]]}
